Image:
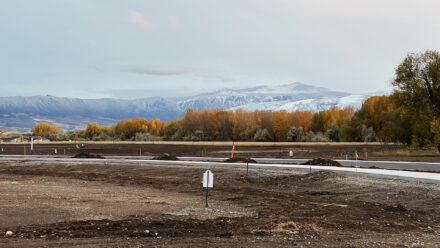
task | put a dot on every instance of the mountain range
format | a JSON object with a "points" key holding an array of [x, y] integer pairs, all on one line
{"points": [[20, 113]]}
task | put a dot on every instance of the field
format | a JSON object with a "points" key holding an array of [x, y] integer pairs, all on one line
{"points": [[374, 151], [66, 204]]}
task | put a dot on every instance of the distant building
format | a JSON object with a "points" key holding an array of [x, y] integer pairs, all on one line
{"points": [[19, 139], [12, 139]]}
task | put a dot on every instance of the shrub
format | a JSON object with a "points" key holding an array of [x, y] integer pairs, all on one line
{"points": [[146, 137], [368, 134], [295, 134], [333, 132], [262, 135]]}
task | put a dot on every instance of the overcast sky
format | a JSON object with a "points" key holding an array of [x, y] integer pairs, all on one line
{"points": [[132, 49]]}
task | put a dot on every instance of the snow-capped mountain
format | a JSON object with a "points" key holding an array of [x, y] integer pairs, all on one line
{"points": [[22, 113], [260, 97]]}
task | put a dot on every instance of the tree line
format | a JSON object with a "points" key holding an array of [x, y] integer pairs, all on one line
{"points": [[410, 115], [222, 125]]}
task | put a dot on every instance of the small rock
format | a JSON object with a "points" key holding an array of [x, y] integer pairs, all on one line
{"points": [[147, 231], [429, 227], [9, 234]]}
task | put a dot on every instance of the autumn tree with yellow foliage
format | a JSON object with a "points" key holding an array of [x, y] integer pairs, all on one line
{"points": [[156, 127], [45, 129], [127, 129], [92, 130]]}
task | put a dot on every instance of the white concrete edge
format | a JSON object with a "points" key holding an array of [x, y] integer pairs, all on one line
{"points": [[411, 175], [219, 158]]}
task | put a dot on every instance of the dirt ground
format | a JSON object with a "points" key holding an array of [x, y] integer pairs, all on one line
{"points": [[373, 151], [90, 205]]}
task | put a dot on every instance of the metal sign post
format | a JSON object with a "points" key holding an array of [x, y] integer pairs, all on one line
{"points": [[208, 182]]}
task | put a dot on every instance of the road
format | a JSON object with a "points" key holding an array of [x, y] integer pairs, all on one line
{"points": [[385, 169], [390, 165]]}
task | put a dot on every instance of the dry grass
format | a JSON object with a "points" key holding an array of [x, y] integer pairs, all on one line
{"points": [[219, 143], [427, 152]]}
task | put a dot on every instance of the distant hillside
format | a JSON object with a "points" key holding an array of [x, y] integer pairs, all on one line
{"points": [[22, 113]]}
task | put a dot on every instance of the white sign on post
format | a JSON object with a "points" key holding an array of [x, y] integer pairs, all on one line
{"points": [[208, 182], [208, 179]]}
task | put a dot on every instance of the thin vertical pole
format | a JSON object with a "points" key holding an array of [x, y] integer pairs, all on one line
{"points": [[207, 187], [247, 169], [356, 165]]}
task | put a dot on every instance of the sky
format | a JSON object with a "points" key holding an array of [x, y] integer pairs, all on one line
{"points": [[142, 48]]}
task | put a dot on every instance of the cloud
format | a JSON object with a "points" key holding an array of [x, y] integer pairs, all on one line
{"points": [[137, 19], [157, 71], [142, 93], [174, 71]]}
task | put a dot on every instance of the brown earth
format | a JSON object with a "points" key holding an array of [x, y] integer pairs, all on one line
{"points": [[87, 155], [240, 160], [89, 205], [166, 156], [374, 151], [322, 161]]}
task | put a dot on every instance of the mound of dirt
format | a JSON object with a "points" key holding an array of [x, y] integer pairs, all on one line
{"points": [[398, 208], [240, 160], [166, 156], [319, 176], [87, 155], [322, 161]]}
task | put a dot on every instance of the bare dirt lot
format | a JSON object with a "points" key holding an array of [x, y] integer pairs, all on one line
{"points": [[374, 151], [89, 205]]}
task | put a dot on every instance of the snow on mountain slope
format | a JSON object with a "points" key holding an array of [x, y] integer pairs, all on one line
{"points": [[21, 113], [308, 104], [260, 97]]}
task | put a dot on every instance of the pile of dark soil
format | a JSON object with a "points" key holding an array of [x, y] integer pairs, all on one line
{"points": [[319, 176], [398, 208], [166, 156], [322, 161], [87, 155], [240, 160]]}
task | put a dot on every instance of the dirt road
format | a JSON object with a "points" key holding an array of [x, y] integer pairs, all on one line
{"points": [[142, 206]]}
